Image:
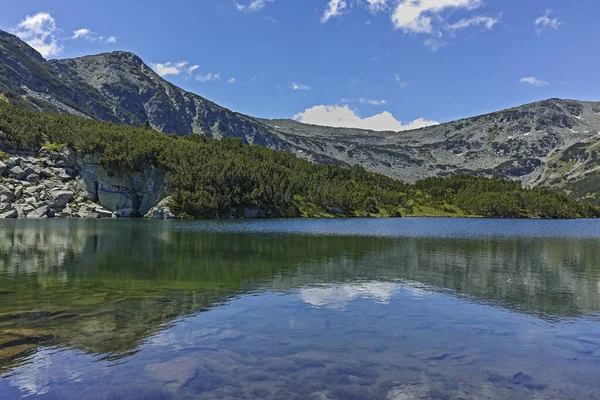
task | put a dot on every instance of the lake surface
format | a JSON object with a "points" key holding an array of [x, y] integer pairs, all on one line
{"points": [[391, 309]]}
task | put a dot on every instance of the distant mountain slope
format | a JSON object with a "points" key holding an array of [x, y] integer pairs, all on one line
{"points": [[554, 142], [118, 87]]}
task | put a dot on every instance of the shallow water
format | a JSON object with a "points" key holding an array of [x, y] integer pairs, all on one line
{"points": [[300, 309]]}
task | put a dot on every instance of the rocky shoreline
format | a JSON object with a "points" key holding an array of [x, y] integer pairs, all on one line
{"points": [[67, 184]]}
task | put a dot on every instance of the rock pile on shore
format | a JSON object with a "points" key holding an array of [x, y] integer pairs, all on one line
{"points": [[48, 185]]}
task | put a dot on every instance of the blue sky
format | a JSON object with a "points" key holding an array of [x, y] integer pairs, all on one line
{"points": [[365, 63]]}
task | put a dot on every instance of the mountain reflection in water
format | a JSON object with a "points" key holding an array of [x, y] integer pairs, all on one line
{"points": [[105, 290]]}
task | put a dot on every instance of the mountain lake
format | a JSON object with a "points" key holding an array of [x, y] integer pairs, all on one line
{"points": [[394, 309]]}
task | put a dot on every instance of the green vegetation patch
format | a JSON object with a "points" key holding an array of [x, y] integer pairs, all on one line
{"points": [[224, 178]]}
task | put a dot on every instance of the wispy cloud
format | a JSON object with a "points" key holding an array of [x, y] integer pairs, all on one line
{"points": [[545, 21], [299, 86], [532, 80], [334, 9], [435, 42], [401, 82], [88, 35], [208, 77], [485, 22], [39, 31], [253, 6], [231, 81], [373, 102], [377, 5]]}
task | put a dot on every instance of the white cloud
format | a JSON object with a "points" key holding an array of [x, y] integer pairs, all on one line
{"points": [[415, 16], [208, 77], [299, 86], [487, 22], [545, 21], [345, 117], [173, 68], [169, 68], [80, 33], [231, 80], [373, 102], [334, 9], [253, 6], [532, 80], [90, 36], [39, 31]]}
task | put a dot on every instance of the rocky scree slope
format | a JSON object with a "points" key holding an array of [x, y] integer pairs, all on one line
{"points": [[553, 142], [66, 184]]}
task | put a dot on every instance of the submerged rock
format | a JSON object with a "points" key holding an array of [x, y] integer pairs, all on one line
{"points": [[173, 374], [415, 391]]}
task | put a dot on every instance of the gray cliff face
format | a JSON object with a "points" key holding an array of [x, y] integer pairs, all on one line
{"points": [[68, 184], [135, 93], [128, 190], [553, 142]]}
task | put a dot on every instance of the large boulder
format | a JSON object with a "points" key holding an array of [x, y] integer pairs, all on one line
{"points": [[17, 172], [6, 195], [2, 167], [103, 212], [9, 214], [33, 178], [18, 192], [114, 200], [60, 198], [162, 210], [39, 212], [86, 211], [23, 209]]}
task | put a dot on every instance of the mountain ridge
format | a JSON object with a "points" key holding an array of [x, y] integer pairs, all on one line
{"points": [[552, 142]]}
